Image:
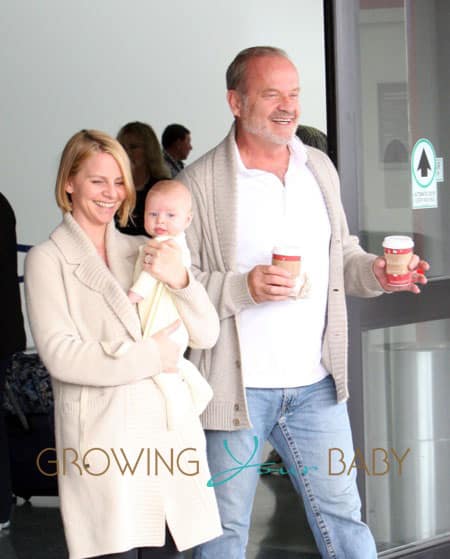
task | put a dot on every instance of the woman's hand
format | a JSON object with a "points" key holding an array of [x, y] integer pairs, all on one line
{"points": [[163, 261], [169, 351]]}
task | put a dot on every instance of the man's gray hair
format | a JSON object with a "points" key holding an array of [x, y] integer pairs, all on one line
{"points": [[237, 69]]}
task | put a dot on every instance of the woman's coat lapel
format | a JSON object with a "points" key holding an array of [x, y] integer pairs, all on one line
{"points": [[91, 270]]}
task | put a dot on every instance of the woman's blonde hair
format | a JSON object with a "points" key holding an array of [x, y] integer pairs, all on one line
{"points": [[80, 147], [156, 167]]}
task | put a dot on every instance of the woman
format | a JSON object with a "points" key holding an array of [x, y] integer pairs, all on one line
{"points": [[128, 488], [147, 165]]}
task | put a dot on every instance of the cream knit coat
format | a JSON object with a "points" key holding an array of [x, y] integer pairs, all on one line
{"points": [[212, 241], [107, 408]]}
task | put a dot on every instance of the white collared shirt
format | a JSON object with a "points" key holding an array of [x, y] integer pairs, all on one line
{"points": [[281, 341]]}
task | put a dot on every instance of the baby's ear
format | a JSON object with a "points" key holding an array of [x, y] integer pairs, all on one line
{"points": [[189, 220]]}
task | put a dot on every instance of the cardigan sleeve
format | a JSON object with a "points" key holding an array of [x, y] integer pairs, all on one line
{"points": [[228, 290], [359, 278], [197, 313], [67, 356]]}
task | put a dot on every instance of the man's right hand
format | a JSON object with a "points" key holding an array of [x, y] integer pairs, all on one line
{"points": [[270, 283], [169, 351]]}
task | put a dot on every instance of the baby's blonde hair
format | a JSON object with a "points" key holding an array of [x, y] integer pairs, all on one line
{"points": [[169, 187]]}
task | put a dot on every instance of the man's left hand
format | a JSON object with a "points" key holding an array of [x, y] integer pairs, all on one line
{"points": [[418, 268]]}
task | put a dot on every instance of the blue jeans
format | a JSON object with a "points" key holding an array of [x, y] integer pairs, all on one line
{"points": [[301, 424]]}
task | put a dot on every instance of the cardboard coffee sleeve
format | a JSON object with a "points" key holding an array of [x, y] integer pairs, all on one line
{"points": [[398, 250]]}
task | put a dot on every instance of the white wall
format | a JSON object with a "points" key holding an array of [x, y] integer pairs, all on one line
{"points": [[69, 65]]}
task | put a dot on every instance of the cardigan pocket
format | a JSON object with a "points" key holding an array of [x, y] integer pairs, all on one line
{"points": [[74, 415], [101, 424], [92, 398]]}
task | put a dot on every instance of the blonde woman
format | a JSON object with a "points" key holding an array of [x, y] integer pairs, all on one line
{"points": [[129, 489]]}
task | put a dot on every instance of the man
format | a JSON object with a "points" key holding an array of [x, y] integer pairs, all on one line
{"points": [[11, 340], [279, 369], [176, 141]]}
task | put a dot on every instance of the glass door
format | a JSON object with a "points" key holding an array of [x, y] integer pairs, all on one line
{"points": [[393, 148]]}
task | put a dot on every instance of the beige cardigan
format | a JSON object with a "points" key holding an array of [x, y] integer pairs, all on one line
{"points": [[89, 337], [212, 242]]}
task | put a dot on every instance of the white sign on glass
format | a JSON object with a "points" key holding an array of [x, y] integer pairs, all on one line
{"points": [[423, 175]]}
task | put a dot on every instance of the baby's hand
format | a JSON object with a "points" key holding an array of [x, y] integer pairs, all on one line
{"points": [[134, 297]]}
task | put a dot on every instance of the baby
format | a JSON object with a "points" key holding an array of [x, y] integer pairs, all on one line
{"points": [[168, 213]]}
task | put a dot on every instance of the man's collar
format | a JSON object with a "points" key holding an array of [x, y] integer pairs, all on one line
{"points": [[176, 161], [296, 149]]}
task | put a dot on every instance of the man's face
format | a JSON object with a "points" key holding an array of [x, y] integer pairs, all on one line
{"points": [[184, 147], [269, 109]]}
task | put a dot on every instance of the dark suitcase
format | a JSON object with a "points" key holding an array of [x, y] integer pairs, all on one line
{"points": [[32, 456], [29, 423]]}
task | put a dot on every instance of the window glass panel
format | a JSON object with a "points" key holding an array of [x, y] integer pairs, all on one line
{"points": [[406, 416], [404, 84]]}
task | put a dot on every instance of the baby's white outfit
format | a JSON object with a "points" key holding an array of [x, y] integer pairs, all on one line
{"points": [[186, 391]]}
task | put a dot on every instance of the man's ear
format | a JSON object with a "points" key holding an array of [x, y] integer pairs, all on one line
{"points": [[175, 147], [235, 102]]}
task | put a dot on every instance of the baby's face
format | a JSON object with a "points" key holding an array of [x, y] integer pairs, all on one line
{"points": [[167, 214]]}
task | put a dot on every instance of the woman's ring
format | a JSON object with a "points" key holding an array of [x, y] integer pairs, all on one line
{"points": [[147, 258]]}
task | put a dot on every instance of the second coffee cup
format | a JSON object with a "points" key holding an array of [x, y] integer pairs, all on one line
{"points": [[398, 250], [287, 257]]}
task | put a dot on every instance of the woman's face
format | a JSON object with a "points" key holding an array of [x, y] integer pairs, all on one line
{"points": [[97, 191], [134, 146]]}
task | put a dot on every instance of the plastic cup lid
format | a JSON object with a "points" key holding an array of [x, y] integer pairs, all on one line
{"points": [[286, 250], [398, 242]]}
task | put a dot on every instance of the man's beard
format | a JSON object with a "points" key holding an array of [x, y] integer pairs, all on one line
{"points": [[258, 128]]}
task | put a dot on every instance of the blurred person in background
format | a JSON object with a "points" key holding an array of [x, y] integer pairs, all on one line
{"points": [[176, 141], [12, 339], [147, 165], [313, 137]]}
